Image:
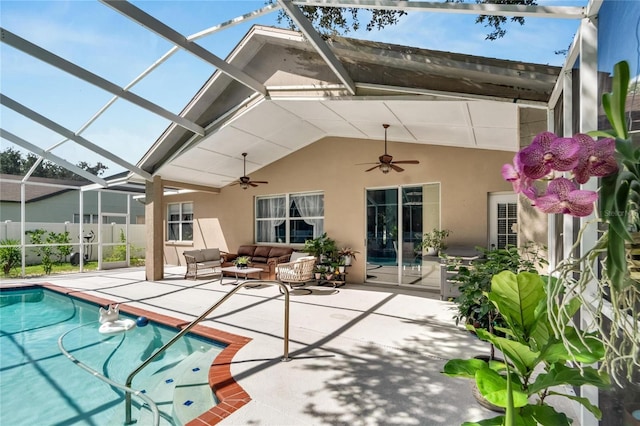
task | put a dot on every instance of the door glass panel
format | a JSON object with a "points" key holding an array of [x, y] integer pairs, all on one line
{"points": [[382, 235], [395, 226], [418, 269]]}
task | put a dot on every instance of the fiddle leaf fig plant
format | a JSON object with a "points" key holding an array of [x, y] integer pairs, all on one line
{"points": [[536, 362]]}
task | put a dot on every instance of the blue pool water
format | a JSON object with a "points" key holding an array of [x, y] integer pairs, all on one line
{"points": [[40, 386]]}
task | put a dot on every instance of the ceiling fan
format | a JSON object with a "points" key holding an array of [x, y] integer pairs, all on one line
{"points": [[385, 162], [244, 181]]}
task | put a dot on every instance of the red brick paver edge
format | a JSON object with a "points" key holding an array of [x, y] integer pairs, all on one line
{"points": [[231, 396]]}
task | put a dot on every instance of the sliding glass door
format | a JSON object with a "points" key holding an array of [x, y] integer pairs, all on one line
{"points": [[396, 219]]}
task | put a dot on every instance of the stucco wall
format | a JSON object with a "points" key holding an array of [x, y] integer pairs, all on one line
{"points": [[225, 220]]}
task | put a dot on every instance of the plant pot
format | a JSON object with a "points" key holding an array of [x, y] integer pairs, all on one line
{"points": [[318, 275], [632, 414], [430, 251], [347, 260], [478, 395], [341, 269]]}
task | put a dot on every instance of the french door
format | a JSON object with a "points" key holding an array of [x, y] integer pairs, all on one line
{"points": [[503, 217], [396, 219]]}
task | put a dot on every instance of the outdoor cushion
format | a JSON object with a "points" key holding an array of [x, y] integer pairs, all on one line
{"points": [[208, 255], [279, 251], [246, 250], [297, 255], [262, 251]]}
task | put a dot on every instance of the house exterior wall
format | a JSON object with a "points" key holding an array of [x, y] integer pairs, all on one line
{"points": [[467, 176], [61, 207]]}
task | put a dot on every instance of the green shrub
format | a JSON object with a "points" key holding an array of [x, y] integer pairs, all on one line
{"points": [[10, 255], [474, 281]]}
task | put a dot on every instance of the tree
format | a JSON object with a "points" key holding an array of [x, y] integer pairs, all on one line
{"points": [[335, 20], [12, 162], [498, 22]]}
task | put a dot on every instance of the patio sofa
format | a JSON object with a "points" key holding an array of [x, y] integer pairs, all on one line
{"points": [[203, 259], [263, 257]]}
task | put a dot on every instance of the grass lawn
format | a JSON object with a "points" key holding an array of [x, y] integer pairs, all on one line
{"points": [[32, 271]]}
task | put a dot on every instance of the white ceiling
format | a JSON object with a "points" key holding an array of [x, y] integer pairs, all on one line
{"points": [[274, 129]]}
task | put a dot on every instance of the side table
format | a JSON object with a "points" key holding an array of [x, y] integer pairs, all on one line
{"points": [[239, 272]]}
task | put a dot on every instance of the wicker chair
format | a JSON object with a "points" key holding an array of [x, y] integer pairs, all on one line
{"points": [[296, 274]]}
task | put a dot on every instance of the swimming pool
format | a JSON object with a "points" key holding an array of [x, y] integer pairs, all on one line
{"points": [[40, 386]]}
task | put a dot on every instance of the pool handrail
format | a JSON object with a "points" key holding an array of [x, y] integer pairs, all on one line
{"points": [[193, 323], [128, 390]]}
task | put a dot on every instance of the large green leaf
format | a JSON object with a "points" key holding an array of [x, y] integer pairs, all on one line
{"points": [[545, 415], [616, 262], [584, 401], [588, 349], [465, 368], [560, 374], [614, 103], [495, 421], [519, 354], [493, 387], [517, 297]]}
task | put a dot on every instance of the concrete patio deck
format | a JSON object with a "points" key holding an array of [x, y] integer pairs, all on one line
{"points": [[361, 354]]}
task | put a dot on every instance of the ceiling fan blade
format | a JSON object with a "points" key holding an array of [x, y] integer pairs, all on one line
{"points": [[374, 167], [259, 181], [252, 184], [396, 168], [407, 162]]}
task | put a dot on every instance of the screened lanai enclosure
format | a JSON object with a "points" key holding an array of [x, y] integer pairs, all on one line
{"points": [[54, 223]]}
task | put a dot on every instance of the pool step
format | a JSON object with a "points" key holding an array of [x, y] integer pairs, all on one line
{"points": [[193, 395], [181, 391]]}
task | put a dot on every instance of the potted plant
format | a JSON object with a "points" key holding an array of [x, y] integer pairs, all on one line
{"points": [[242, 262], [536, 360], [319, 271], [474, 280], [348, 254], [434, 241], [321, 247], [605, 273]]}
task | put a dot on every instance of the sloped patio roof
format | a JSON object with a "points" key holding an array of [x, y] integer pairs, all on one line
{"points": [[280, 90], [428, 97]]}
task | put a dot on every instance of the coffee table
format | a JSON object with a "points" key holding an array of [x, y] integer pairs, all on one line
{"points": [[239, 272]]}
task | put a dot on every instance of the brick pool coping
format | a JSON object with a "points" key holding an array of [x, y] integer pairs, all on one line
{"points": [[231, 396]]}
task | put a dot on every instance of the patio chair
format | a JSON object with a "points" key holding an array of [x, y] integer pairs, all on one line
{"points": [[297, 273]]}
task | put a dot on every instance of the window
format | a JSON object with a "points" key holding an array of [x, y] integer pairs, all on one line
{"points": [[507, 217], [289, 218], [180, 222], [86, 218]]}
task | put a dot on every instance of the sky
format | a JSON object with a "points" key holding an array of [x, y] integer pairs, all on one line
{"points": [[101, 40]]}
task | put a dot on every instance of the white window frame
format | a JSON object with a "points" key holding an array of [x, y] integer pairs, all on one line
{"points": [[287, 218], [180, 222]]}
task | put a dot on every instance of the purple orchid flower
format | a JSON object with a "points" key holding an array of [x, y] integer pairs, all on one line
{"points": [[549, 152], [596, 158], [521, 183], [562, 196]]}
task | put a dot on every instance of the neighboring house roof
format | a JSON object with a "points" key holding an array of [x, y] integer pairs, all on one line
{"points": [[426, 96], [10, 188], [39, 188]]}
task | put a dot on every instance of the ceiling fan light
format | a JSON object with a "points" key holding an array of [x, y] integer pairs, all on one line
{"points": [[385, 168], [244, 185]]}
